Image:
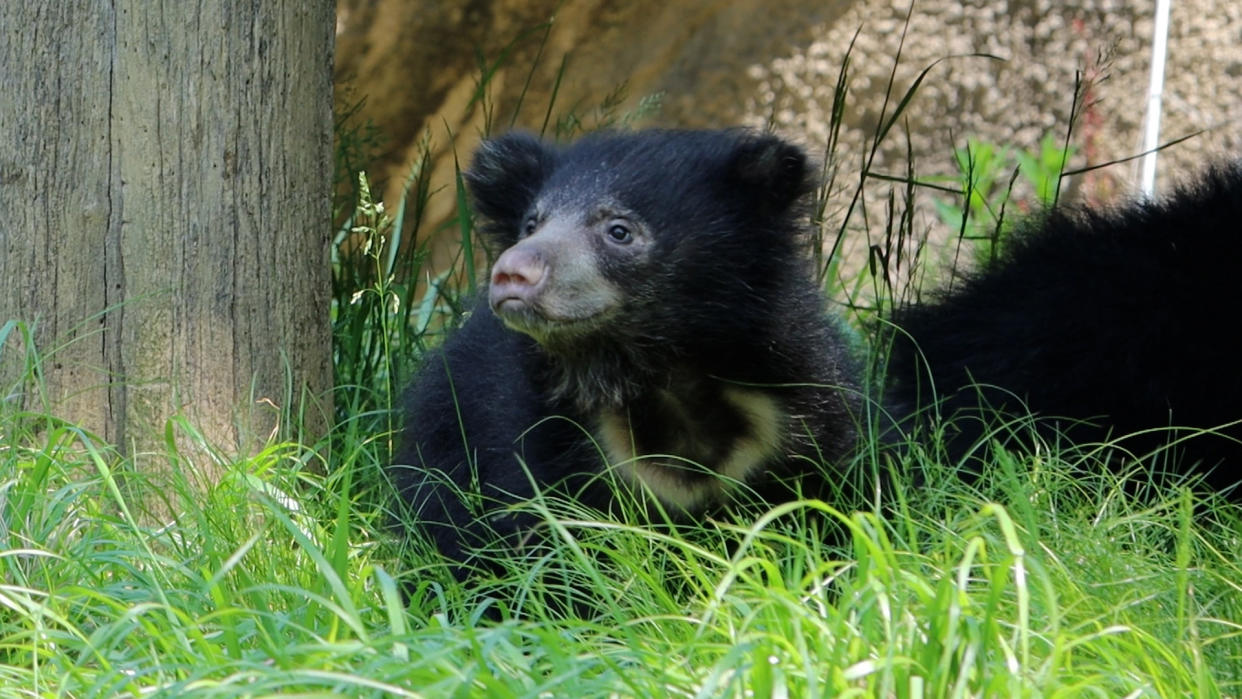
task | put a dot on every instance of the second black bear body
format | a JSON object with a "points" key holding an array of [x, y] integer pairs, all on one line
{"points": [[1123, 322]]}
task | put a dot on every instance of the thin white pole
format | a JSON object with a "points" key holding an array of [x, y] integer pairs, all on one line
{"points": [[1155, 90]]}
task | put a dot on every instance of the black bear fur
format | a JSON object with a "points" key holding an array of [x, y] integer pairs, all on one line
{"points": [[1123, 321], [652, 295]]}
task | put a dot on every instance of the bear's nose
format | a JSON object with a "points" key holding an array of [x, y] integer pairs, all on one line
{"points": [[516, 276], [519, 266]]}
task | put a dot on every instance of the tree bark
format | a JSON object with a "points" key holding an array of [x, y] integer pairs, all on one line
{"points": [[165, 177]]}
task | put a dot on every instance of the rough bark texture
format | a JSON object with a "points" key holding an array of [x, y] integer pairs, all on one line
{"points": [[164, 210]]}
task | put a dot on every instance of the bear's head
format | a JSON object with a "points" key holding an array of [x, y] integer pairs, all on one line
{"points": [[658, 237]]}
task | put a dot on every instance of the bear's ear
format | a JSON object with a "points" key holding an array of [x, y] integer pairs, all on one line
{"points": [[774, 172], [504, 178]]}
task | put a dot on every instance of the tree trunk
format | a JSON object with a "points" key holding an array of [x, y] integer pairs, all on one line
{"points": [[165, 176]]}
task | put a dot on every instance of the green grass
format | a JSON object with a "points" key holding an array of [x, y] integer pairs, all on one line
{"points": [[1034, 581]]}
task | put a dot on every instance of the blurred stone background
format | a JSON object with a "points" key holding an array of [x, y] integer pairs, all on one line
{"points": [[418, 64]]}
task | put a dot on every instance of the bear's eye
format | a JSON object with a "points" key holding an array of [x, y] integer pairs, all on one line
{"points": [[619, 233], [528, 228]]}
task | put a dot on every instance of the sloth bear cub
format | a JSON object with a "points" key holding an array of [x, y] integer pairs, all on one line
{"points": [[651, 310], [652, 322]]}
